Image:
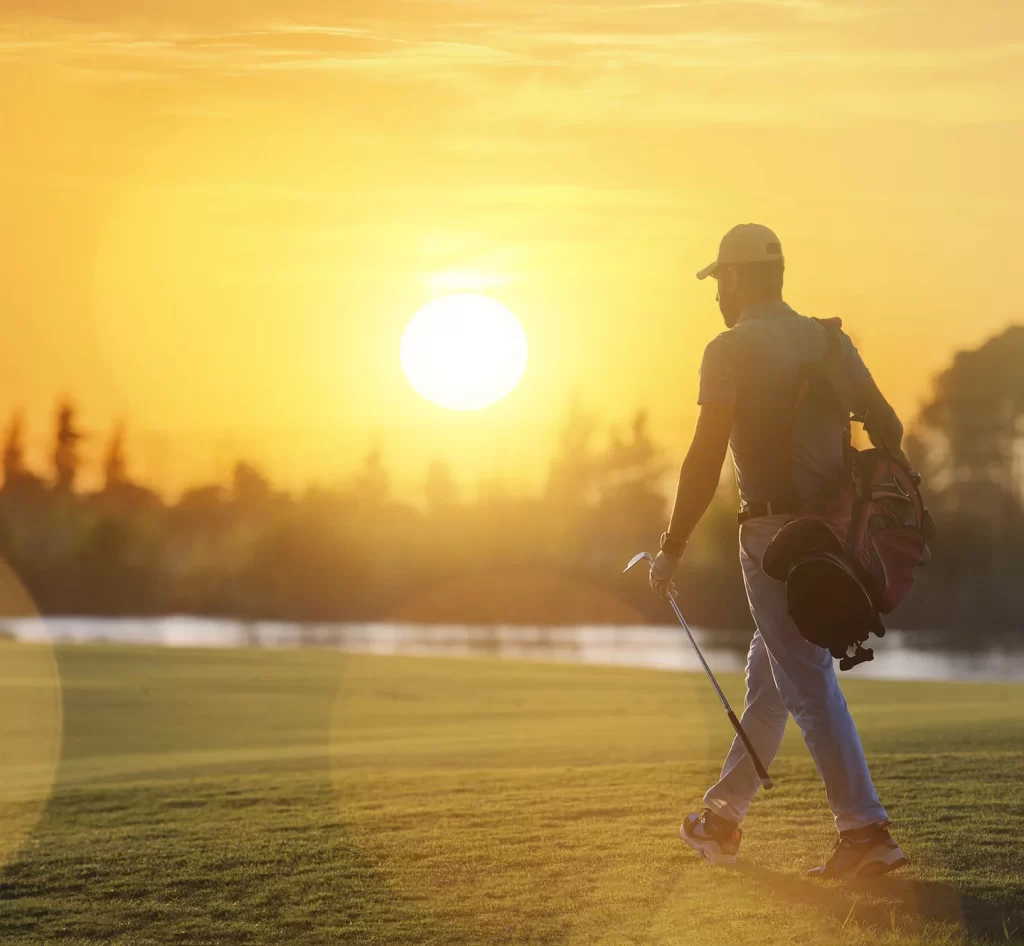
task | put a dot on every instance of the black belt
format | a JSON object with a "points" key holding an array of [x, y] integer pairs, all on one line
{"points": [[768, 508]]}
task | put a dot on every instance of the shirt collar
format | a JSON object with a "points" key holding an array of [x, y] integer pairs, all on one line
{"points": [[764, 310]]}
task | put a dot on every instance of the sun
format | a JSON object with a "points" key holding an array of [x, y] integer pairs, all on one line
{"points": [[464, 352]]}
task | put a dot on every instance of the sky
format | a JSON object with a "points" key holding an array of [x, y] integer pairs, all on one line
{"points": [[218, 217]]}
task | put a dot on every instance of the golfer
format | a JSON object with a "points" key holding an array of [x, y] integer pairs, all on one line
{"points": [[748, 384]]}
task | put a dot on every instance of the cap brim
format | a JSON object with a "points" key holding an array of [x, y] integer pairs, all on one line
{"points": [[708, 270]]}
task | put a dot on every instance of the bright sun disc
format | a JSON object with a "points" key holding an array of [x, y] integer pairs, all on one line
{"points": [[464, 352]]}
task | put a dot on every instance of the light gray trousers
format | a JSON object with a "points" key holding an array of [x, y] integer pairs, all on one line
{"points": [[787, 674]]}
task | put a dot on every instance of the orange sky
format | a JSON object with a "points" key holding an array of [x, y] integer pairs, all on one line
{"points": [[218, 217]]}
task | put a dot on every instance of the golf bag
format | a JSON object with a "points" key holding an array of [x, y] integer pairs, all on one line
{"points": [[850, 557]]}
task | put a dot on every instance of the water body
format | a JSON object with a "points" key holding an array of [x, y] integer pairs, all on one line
{"points": [[899, 656]]}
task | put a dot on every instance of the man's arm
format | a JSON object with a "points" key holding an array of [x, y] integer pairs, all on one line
{"points": [[701, 471], [882, 424], [702, 468], [698, 481]]}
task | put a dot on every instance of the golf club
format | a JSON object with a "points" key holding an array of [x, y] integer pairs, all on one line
{"points": [[762, 773]]}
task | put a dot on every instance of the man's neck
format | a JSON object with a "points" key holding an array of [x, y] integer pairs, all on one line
{"points": [[761, 307]]}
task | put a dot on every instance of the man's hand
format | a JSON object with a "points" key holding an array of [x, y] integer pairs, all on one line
{"points": [[662, 571]]}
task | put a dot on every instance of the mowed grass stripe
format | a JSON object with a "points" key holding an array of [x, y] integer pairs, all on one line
{"points": [[315, 797]]}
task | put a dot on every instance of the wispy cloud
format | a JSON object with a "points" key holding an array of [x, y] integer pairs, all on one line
{"points": [[681, 61], [284, 47], [816, 11]]}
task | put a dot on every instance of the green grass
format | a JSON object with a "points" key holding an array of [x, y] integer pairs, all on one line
{"points": [[313, 797]]}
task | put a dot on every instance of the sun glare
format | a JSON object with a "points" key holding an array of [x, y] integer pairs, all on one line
{"points": [[464, 352]]}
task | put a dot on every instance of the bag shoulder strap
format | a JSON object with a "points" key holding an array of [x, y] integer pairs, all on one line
{"points": [[831, 368]]}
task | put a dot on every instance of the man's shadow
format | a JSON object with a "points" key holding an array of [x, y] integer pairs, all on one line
{"points": [[896, 903]]}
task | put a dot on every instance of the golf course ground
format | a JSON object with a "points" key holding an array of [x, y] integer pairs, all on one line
{"points": [[294, 797]]}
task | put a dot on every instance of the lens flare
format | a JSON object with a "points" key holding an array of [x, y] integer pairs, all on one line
{"points": [[31, 722]]}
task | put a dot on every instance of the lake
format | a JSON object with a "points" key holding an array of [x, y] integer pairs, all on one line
{"points": [[898, 656]]}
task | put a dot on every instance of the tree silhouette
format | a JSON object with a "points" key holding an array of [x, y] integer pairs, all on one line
{"points": [[19, 480], [120, 497], [249, 485], [66, 460], [572, 473], [357, 552], [630, 506], [371, 488], [115, 466], [632, 468], [440, 489], [974, 425], [14, 451]]}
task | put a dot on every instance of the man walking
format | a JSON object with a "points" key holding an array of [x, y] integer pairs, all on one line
{"points": [[748, 391]]}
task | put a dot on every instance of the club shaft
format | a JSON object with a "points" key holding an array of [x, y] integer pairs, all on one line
{"points": [[700, 656], [762, 772]]}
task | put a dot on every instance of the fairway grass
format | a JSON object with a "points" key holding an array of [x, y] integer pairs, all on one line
{"points": [[209, 796]]}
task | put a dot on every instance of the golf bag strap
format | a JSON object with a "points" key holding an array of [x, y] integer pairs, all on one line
{"points": [[834, 356]]}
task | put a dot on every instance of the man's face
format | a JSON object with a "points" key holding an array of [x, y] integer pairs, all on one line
{"points": [[729, 302]]}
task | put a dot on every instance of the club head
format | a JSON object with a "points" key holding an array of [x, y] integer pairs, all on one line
{"points": [[639, 557]]}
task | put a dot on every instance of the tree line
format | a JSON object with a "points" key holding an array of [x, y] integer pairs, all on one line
{"points": [[359, 552]]}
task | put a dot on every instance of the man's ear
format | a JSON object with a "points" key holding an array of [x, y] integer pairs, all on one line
{"points": [[728, 280]]}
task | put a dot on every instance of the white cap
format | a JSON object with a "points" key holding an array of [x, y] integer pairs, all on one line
{"points": [[745, 243]]}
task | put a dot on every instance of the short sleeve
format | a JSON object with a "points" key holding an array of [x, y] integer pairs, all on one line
{"points": [[856, 370], [719, 371]]}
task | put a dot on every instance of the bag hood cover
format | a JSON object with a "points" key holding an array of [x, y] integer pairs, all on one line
{"points": [[795, 541]]}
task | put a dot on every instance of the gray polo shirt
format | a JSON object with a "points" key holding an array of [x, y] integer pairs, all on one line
{"points": [[756, 366]]}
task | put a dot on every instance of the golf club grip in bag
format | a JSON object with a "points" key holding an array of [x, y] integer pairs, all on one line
{"points": [[762, 774]]}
